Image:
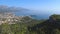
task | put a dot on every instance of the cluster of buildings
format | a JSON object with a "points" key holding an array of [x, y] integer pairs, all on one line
{"points": [[9, 18]]}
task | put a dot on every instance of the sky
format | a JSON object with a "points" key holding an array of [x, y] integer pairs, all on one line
{"points": [[50, 5]]}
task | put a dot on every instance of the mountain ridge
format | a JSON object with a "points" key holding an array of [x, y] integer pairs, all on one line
{"points": [[47, 27]]}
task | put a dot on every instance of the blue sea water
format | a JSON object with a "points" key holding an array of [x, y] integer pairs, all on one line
{"points": [[33, 14]]}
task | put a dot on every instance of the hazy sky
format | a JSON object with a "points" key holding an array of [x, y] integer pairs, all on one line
{"points": [[34, 4]]}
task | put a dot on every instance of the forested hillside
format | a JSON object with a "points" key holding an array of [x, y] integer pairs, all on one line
{"points": [[33, 26]]}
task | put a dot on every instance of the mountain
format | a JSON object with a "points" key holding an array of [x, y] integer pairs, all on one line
{"points": [[24, 12], [4, 8], [50, 26], [27, 25]]}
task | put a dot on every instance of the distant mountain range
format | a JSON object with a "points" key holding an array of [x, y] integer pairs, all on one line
{"points": [[10, 9], [23, 12]]}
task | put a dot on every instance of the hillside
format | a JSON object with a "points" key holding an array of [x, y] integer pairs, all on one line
{"points": [[27, 25], [50, 26], [10, 18]]}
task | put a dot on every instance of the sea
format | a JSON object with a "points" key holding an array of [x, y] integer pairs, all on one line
{"points": [[34, 14]]}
